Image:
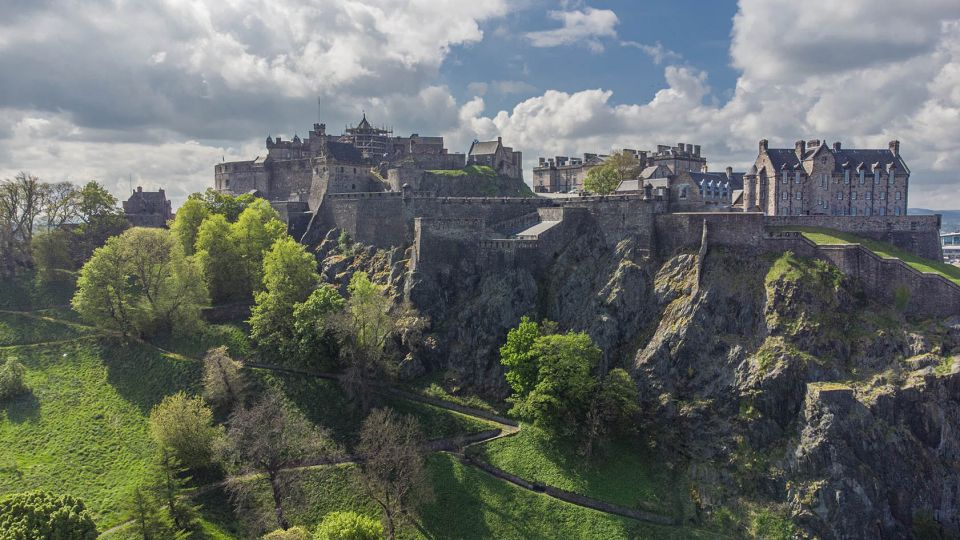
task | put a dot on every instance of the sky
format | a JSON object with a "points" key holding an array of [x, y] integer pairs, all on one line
{"points": [[156, 92]]}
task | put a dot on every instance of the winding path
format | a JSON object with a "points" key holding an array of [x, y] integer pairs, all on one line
{"points": [[505, 427]]}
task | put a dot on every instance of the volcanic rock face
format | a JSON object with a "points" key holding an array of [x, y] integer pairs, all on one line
{"points": [[774, 376]]}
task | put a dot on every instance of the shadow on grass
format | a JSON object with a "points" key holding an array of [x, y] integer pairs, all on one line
{"points": [[22, 408], [143, 375]]}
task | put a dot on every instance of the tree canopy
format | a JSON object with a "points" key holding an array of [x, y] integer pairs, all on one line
{"points": [[601, 180], [42, 514]]}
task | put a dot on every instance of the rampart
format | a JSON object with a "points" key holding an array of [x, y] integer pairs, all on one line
{"points": [[675, 232], [919, 235]]}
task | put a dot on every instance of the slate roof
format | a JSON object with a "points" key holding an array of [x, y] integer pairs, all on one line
{"points": [[484, 148], [363, 123], [718, 179], [344, 152], [629, 185], [786, 158]]}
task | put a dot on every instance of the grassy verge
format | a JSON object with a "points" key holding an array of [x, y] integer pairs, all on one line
{"points": [[16, 329], [824, 236], [623, 475], [82, 429]]}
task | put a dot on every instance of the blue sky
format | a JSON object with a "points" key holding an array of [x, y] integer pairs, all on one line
{"points": [[156, 92]]}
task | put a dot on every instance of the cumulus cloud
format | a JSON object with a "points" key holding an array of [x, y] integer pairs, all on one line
{"points": [[584, 26]]}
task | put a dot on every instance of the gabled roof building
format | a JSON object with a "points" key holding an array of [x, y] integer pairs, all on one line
{"points": [[494, 154], [816, 179]]}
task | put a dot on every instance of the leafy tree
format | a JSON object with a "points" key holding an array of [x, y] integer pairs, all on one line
{"points": [[100, 218], [11, 379], [293, 533], [224, 385], [253, 234], [624, 165], [364, 327], [268, 438], [225, 204], [171, 490], [217, 257], [21, 205], [517, 356], [141, 282], [289, 276], [41, 514], [614, 407], [51, 254], [312, 324], [184, 426], [602, 180], [392, 469], [61, 205], [348, 526], [186, 224]]}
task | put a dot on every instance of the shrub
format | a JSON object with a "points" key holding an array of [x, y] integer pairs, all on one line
{"points": [[184, 425], [41, 514], [293, 533], [348, 526], [11, 379]]}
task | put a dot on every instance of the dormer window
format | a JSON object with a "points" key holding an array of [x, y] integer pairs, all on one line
{"points": [[796, 177], [876, 176], [862, 173], [846, 176]]}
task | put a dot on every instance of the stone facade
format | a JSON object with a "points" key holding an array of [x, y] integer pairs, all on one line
{"points": [[815, 179], [495, 155], [147, 208]]}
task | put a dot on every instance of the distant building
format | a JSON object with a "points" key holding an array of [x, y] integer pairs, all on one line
{"points": [[561, 174], [951, 246], [815, 179], [147, 208], [500, 158], [716, 188]]}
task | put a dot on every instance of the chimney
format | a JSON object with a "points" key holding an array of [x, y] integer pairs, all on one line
{"points": [[542, 161], [690, 149], [139, 189], [679, 147], [813, 143], [836, 146], [895, 147], [696, 150], [729, 172], [801, 148], [763, 145], [499, 140]]}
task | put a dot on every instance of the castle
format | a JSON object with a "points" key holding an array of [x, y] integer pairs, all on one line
{"points": [[402, 198], [147, 208]]}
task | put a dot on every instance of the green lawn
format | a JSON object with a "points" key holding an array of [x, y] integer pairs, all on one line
{"points": [[824, 236], [624, 474], [468, 504], [479, 170], [82, 429], [17, 329]]}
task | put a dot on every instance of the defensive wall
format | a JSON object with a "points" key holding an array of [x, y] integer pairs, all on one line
{"points": [[919, 235], [890, 281]]}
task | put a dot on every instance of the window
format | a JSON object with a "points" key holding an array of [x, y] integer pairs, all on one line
{"points": [[853, 196], [891, 178], [853, 211], [226, 183], [862, 172], [683, 192], [846, 176], [867, 195], [796, 177], [869, 211], [897, 196], [839, 196], [883, 195], [785, 179], [876, 176], [883, 211], [799, 196], [896, 210], [786, 196]]}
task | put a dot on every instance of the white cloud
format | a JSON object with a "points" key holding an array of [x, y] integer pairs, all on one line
{"points": [[584, 26], [657, 52]]}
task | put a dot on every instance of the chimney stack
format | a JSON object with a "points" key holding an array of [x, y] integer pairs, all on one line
{"points": [[836, 145], [729, 172], [895, 147], [696, 150], [690, 149], [801, 148], [763, 145]]}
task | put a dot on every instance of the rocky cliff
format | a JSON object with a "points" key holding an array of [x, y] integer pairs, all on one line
{"points": [[775, 377]]}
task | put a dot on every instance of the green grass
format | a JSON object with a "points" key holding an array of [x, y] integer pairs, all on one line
{"points": [[824, 236], [233, 335], [468, 504], [624, 474], [23, 293], [16, 329], [478, 170], [82, 430]]}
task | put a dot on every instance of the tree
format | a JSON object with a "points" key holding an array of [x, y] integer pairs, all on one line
{"points": [[184, 426], [42, 514], [186, 224], [142, 282], [516, 355], [313, 322], [602, 180], [563, 385], [11, 379], [224, 385], [21, 204], [51, 253], [293, 533], [289, 277], [268, 438], [256, 230], [217, 257], [144, 512], [170, 488], [99, 217], [613, 407], [61, 205], [392, 466], [348, 526], [225, 204], [624, 165]]}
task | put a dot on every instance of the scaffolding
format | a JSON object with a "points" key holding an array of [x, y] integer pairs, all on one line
{"points": [[372, 142]]}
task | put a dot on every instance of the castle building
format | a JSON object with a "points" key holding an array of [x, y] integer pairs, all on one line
{"points": [[815, 179], [495, 155], [717, 189], [561, 174], [147, 208]]}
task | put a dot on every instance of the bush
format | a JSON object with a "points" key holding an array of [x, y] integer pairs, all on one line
{"points": [[293, 533], [184, 425], [348, 526], [11, 379], [41, 514]]}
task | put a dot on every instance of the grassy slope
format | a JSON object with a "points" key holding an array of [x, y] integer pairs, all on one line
{"points": [[467, 504], [16, 329], [83, 430], [824, 236], [623, 475]]}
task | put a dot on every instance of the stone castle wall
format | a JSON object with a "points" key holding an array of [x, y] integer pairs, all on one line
{"points": [[919, 235]]}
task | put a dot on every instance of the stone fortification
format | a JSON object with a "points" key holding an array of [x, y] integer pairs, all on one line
{"points": [[919, 235]]}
